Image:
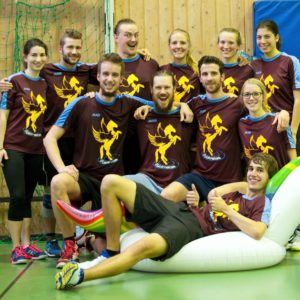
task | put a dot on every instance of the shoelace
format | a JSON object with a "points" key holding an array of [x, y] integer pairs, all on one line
{"points": [[34, 248]]}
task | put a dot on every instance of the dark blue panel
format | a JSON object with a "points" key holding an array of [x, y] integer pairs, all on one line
{"points": [[286, 14]]}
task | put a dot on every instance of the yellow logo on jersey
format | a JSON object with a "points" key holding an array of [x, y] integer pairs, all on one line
{"points": [[106, 136], [258, 144], [182, 83], [132, 81], [69, 90], [210, 130], [35, 108], [163, 139], [229, 85], [219, 214], [269, 83]]}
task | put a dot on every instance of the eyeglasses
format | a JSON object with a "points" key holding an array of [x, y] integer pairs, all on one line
{"points": [[255, 95]]}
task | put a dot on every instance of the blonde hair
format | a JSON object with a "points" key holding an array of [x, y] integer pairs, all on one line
{"points": [[263, 89], [232, 30], [191, 62]]}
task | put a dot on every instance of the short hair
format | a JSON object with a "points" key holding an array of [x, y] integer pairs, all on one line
{"points": [[211, 60], [263, 89], [121, 22], [267, 160], [70, 33], [166, 73], [273, 27], [232, 30], [113, 58]]}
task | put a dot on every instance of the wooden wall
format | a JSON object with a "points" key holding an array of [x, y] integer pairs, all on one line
{"points": [[203, 19]]}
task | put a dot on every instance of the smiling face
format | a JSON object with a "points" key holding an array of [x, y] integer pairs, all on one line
{"points": [[253, 98], [211, 78], [163, 92], [228, 46], [127, 39], [267, 41], [35, 59], [257, 177], [109, 77], [179, 46], [70, 51]]}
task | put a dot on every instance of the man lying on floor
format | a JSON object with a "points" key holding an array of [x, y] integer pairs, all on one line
{"points": [[172, 225]]}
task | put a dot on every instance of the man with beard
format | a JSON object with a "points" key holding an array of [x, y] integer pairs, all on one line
{"points": [[164, 142], [99, 125], [218, 148], [172, 225], [136, 82], [66, 81]]}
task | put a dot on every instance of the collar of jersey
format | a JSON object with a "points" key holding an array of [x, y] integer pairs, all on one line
{"points": [[99, 100], [254, 119], [170, 112], [66, 69], [179, 65], [231, 65], [30, 77], [131, 59], [217, 99], [267, 59]]}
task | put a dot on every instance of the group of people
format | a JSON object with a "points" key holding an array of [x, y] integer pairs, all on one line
{"points": [[138, 122]]}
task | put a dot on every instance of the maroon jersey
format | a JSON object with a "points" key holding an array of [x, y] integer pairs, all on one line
{"points": [[188, 84], [138, 77], [235, 76], [281, 75], [165, 146], [27, 104], [218, 145], [212, 222], [259, 135], [99, 130], [64, 85]]}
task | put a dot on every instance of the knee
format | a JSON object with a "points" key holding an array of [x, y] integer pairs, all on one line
{"points": [[174, 192], [109, 182], [60, 184]]}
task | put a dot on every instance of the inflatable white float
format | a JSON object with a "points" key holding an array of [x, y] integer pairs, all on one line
{"points": [[233, 251]]}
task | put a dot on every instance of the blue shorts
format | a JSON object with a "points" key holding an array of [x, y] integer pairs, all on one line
{"points": [[146, 181], [203, 185]]}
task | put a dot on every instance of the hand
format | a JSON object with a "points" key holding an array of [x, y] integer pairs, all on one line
{"points": [[192, 197], [5, 85], [3, 155], [141, 113], [243, 61], [70, 170], [145, 53], [186, 115], [217, 203], [90, 94], [282, 119]]}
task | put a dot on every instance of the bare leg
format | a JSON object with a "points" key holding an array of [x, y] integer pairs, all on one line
{"points": [[115, 188], [25, 235], [175, 191], [64, 187], [150, 246], [15, 229]]}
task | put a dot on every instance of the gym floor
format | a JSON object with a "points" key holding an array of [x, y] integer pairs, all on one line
{"points": [[35, 281]]}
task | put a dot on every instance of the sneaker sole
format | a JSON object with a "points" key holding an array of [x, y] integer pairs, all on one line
{"points": [[39, 257], [21, 261], [52, 255]]}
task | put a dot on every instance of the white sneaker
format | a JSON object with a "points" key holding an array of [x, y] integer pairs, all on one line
{"points": [[91, 263]]}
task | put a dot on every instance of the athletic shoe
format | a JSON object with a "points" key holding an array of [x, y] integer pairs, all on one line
{"points": [[69, 276], [69, 253], [34, 252], [91, 263], [295, 244], [290, 241], [18, 256], [52, 248]]}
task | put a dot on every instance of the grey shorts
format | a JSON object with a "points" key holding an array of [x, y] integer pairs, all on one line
{"points": [[173, 221]]}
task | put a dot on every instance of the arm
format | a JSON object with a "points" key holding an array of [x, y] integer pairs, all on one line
{"points": [[4, 113], [51, 146], [240, 186], [292, 153], [141, 112], [296, 114], [5, 85], [254, 229], [186, 114], [282, 119]]}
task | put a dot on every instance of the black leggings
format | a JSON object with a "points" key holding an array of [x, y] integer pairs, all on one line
{"points": [[21, 172]]}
